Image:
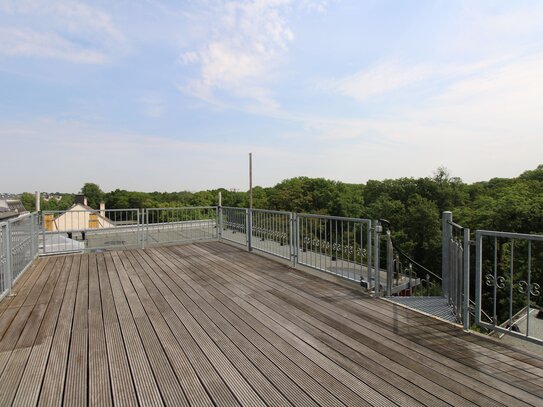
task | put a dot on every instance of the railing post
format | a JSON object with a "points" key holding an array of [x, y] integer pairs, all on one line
{"points": [[369, 254], [465, 310], [219, 222], [32, 238], [141, 224], [9, 258], [446, 236], [249, 228], [376, 230], [43, 233], [478, 275], [293, 233], [390, 264]]}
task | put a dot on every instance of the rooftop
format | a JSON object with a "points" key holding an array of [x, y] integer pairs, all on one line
{"points": [[212, 324]]}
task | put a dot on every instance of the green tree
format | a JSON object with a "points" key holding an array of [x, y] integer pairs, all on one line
{"points": [[93, 193]]}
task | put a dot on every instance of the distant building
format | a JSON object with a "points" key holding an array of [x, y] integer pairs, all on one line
{"points": [[11, 208], [77, 218]]}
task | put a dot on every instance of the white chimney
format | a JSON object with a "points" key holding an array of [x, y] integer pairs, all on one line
{"points": [[102, 209], [37, 195], [85, 201]]}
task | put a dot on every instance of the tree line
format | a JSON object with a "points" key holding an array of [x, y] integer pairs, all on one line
{"points": [[413, 206]]}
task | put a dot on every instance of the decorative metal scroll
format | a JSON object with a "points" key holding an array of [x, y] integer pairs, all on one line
{"points": [[499, 282], [326, 246], [533, 288]]}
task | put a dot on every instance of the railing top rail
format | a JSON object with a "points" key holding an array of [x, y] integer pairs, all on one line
{"points": [[308, 215], [234, 207], [510, 235], [20, 218], [89, 211], [456, 225], [181, 207], [272, 211]]}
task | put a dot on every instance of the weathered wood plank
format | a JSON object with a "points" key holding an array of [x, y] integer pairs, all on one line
{"points": [[52, 389], [31, 381], [76, 385], [145, 383], [322, 384], [166, 379], [14, 370], [122, 386], [283, 281], [250, 374], [211, 324], [23, 285], [99, 382]]}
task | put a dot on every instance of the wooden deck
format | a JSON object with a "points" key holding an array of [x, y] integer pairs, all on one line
{"points": [[210, 324]]}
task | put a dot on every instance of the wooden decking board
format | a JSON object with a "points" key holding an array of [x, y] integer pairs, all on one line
{"points": [[433, 401], [13, 324], [310, 385], [392, 393], [305, 359], [243, 392], [475, 360], [211, 324], [52, 388], [215, 385], [165, 377], [186, 375], [99, 380], [237, 359], [76, 382], [219, 329], [460, 381], [361, 309], [122, 386], [355, 356], [14, 369], [211, 380], [21, 288], [145, 383], [464, 383], [35, 368], [456, 340]]}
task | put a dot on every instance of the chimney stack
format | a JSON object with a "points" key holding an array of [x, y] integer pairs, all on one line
{"points": [[37, 195], [102, 209]]}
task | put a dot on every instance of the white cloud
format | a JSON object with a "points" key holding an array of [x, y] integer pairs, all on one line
{"points": [[153, 105], [237, 56], [379, 79], [29, 43], [67, 30]]}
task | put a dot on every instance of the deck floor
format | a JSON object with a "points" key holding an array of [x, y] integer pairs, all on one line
{"points": [[210, 324]]}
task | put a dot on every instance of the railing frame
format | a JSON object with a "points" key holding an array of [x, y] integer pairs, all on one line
{"points": [[12, 270]]}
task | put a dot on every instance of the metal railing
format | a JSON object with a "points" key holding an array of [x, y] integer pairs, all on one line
{"points": [[403, 276], [18, 248], [272, 232], [234, 223], [178, 225], [457, 292], [91, 230], [336, 245], [87, 230], [508, 280]]}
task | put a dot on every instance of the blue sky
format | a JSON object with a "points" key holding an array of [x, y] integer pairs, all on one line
{"points": [[173, 95]]}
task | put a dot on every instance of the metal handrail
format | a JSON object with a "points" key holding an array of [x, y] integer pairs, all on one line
{"points": [[405, 255]]}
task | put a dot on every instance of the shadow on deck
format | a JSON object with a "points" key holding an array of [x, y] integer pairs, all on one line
{"points": [[211, 324]]}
